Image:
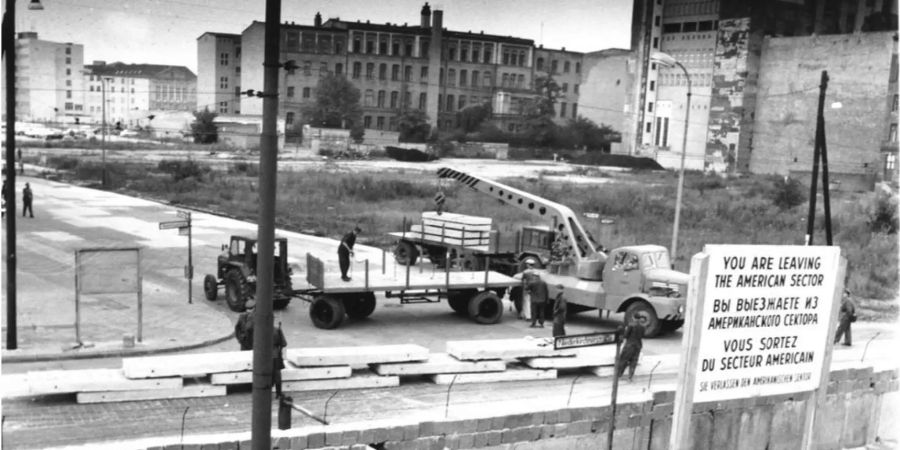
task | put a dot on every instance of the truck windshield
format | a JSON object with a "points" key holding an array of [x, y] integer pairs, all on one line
{"points": [[656, 260]]}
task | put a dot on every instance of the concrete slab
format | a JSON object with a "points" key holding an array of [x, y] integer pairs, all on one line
{"points": [[93, 380], [593, 357], [188, 391], [504, 349], [516, 373], [439, 363], [361, 379], [287, 374], [188, 364], [362, 355]]}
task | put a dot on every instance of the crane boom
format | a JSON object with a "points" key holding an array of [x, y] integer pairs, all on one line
{"points": [[564, 219]]}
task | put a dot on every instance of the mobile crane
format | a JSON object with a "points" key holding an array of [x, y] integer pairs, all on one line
{"points": [[626, 279]]}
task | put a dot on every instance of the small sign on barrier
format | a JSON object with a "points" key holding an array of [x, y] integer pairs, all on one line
{"points": [[584, 340]]}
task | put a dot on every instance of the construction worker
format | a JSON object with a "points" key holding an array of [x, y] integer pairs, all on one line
{"points": [[243, 329], [27, 197], [847, 316], [345, 251], [633, 335], [560, 307], [537, 290]]}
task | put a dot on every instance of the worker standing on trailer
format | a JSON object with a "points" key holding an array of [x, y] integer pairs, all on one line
{"points": [[345, 251]]}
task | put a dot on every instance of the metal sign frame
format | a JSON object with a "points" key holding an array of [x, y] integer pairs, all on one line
{"points": [[80, 288]]}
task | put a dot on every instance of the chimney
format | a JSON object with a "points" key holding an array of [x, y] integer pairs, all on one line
{"points": [[426, 16], [438, 19], [317, 22]]}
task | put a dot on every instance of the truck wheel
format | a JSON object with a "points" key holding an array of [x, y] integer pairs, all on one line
{"points": [[237, 291], [653, 326], [360, 306], [669, 326], [459, 300], [486, 308], [326, 312], [405, 253], [211, 287]]}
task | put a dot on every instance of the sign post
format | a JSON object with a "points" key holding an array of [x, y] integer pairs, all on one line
{"points": [[184, 229], [759, 324]]}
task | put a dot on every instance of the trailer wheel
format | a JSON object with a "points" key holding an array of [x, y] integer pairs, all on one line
{"points": [[669, 326], [237, 291], [360, 306], [459, 300], [486, 308], [405, 253], [327, 312], [653, 326], [211, 287]]}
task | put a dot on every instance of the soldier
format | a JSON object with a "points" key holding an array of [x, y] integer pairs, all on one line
{"points": [[560, 307], [243, 329], [631, 351], [847, 316], [345, 251], [278, 345]]}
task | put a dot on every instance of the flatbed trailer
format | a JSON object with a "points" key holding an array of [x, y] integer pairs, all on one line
{"points": [[476, 294]]}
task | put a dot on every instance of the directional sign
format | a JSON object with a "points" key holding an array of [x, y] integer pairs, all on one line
{"points": [[184, 214], [184, 231], [173, 224], [584, 340]]}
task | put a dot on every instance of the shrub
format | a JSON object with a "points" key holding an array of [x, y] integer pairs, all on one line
{"points": [[62, 162], [787, 193], [883, 216], [180, 170]]}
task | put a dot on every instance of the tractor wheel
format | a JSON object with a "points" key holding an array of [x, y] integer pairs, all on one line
{"points": [[237, 291], [211, 287], [360, 306], [459, 300], [653, 325], [406, 253], [486, 308], [669, 326], [327, 312]]}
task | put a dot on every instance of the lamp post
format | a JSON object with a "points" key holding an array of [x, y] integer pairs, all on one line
{"points": [[9, 186], [667, 60]]}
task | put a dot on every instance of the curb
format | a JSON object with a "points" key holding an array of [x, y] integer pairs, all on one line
{"points": [[8, 356]]}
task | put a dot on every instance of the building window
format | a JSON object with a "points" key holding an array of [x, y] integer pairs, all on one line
{"points": [[382, 71], [395, 96], [68, 71], [370, 48], [540, 64], [407, 99], [648, 127], [894, 104], [475, 76], [890, 161], [656, 42], [662, 131], [475, 55], [656, 20], [307, 92], [68, 60], [367, 121], [407, 73], [381, 96], [395, 72], [652, 85], [464, 54], [307, 68], [395, 48], [566, 67], [553, 66], [357, 45], [487, 79], [487, 54], [574, 109], [323, 69], [575, 89], [408, 48], [223, 82], [892, 137], [649, 106], [504, 80], [338, 69], [290, 91], [68, 50], [379, 122], [357, 68], [440, 102], [562, 109], [68, 82], [369, 98], [451, 54], [370, 71], [463, 77], [289, 118], [382, 48], [520, 81], [423, 73], [422, 99], [565, 87], [522, 58], [223, 59], [462, 102], [450, 100], [223, 107], [451, 77]]}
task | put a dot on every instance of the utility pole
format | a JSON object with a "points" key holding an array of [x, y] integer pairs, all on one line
{"points": [[9, 53], [261, 433], [819, 152]]}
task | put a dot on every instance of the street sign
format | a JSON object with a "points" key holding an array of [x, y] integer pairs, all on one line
{"points": [[184, 231], [584, 340], [173, 224], [189, 272], [184, 214]]}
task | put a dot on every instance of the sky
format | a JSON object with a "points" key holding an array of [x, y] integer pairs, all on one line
{"points": [[166, 31]]}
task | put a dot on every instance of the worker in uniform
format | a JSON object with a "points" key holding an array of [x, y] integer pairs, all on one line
{"points": [[847, 316], [278, 345], [633, 334], [345, 251], [560, 307], [243, 329], [537, 290]]}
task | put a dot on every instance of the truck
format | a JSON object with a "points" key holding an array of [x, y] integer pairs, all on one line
{"points": [[629, 280]]}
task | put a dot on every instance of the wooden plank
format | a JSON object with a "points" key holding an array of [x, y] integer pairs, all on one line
{"points": [[361, 379], [188, 391], [439, 363], [417, 238], [449, 236], [596, 356], [287, 374], [515, 373], [93, 380], [184, 365], [395, 280], [456, 218], [504, 349], [361, 355]]}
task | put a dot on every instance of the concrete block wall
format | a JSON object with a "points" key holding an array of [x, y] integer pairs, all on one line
{"points": [[849, 418]]}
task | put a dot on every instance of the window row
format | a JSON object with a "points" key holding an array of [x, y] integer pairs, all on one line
{"points": [[691, 27], [514, 57], [450, 102], [380, 99], [382, 73], [467, 51], [386, 45], [554, 66], [310, 42], [476, 79]]}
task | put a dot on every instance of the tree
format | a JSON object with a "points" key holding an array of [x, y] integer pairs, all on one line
{"points": [[539, 111], [336, 103], [413, 126], [471, 117], [585, 133], [203, 129]]}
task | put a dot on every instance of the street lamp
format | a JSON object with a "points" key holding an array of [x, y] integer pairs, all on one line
{"points": [[667, 60]]}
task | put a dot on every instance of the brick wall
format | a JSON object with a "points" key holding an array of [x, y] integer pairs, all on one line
{"points": [[849, 418]]}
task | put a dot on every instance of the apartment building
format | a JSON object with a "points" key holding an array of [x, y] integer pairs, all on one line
{"points": [[135, 91], [397, 67], [49, 81]]}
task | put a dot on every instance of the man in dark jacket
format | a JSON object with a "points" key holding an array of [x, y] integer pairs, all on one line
{"points": [[345, 251], [278, 345], [27, 196], [243, 329], [847, 316], [538, 290], [560, 308], [633, 335]]}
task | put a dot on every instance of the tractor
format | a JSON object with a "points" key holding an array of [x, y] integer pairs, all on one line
{"points": [[237, 272]]}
